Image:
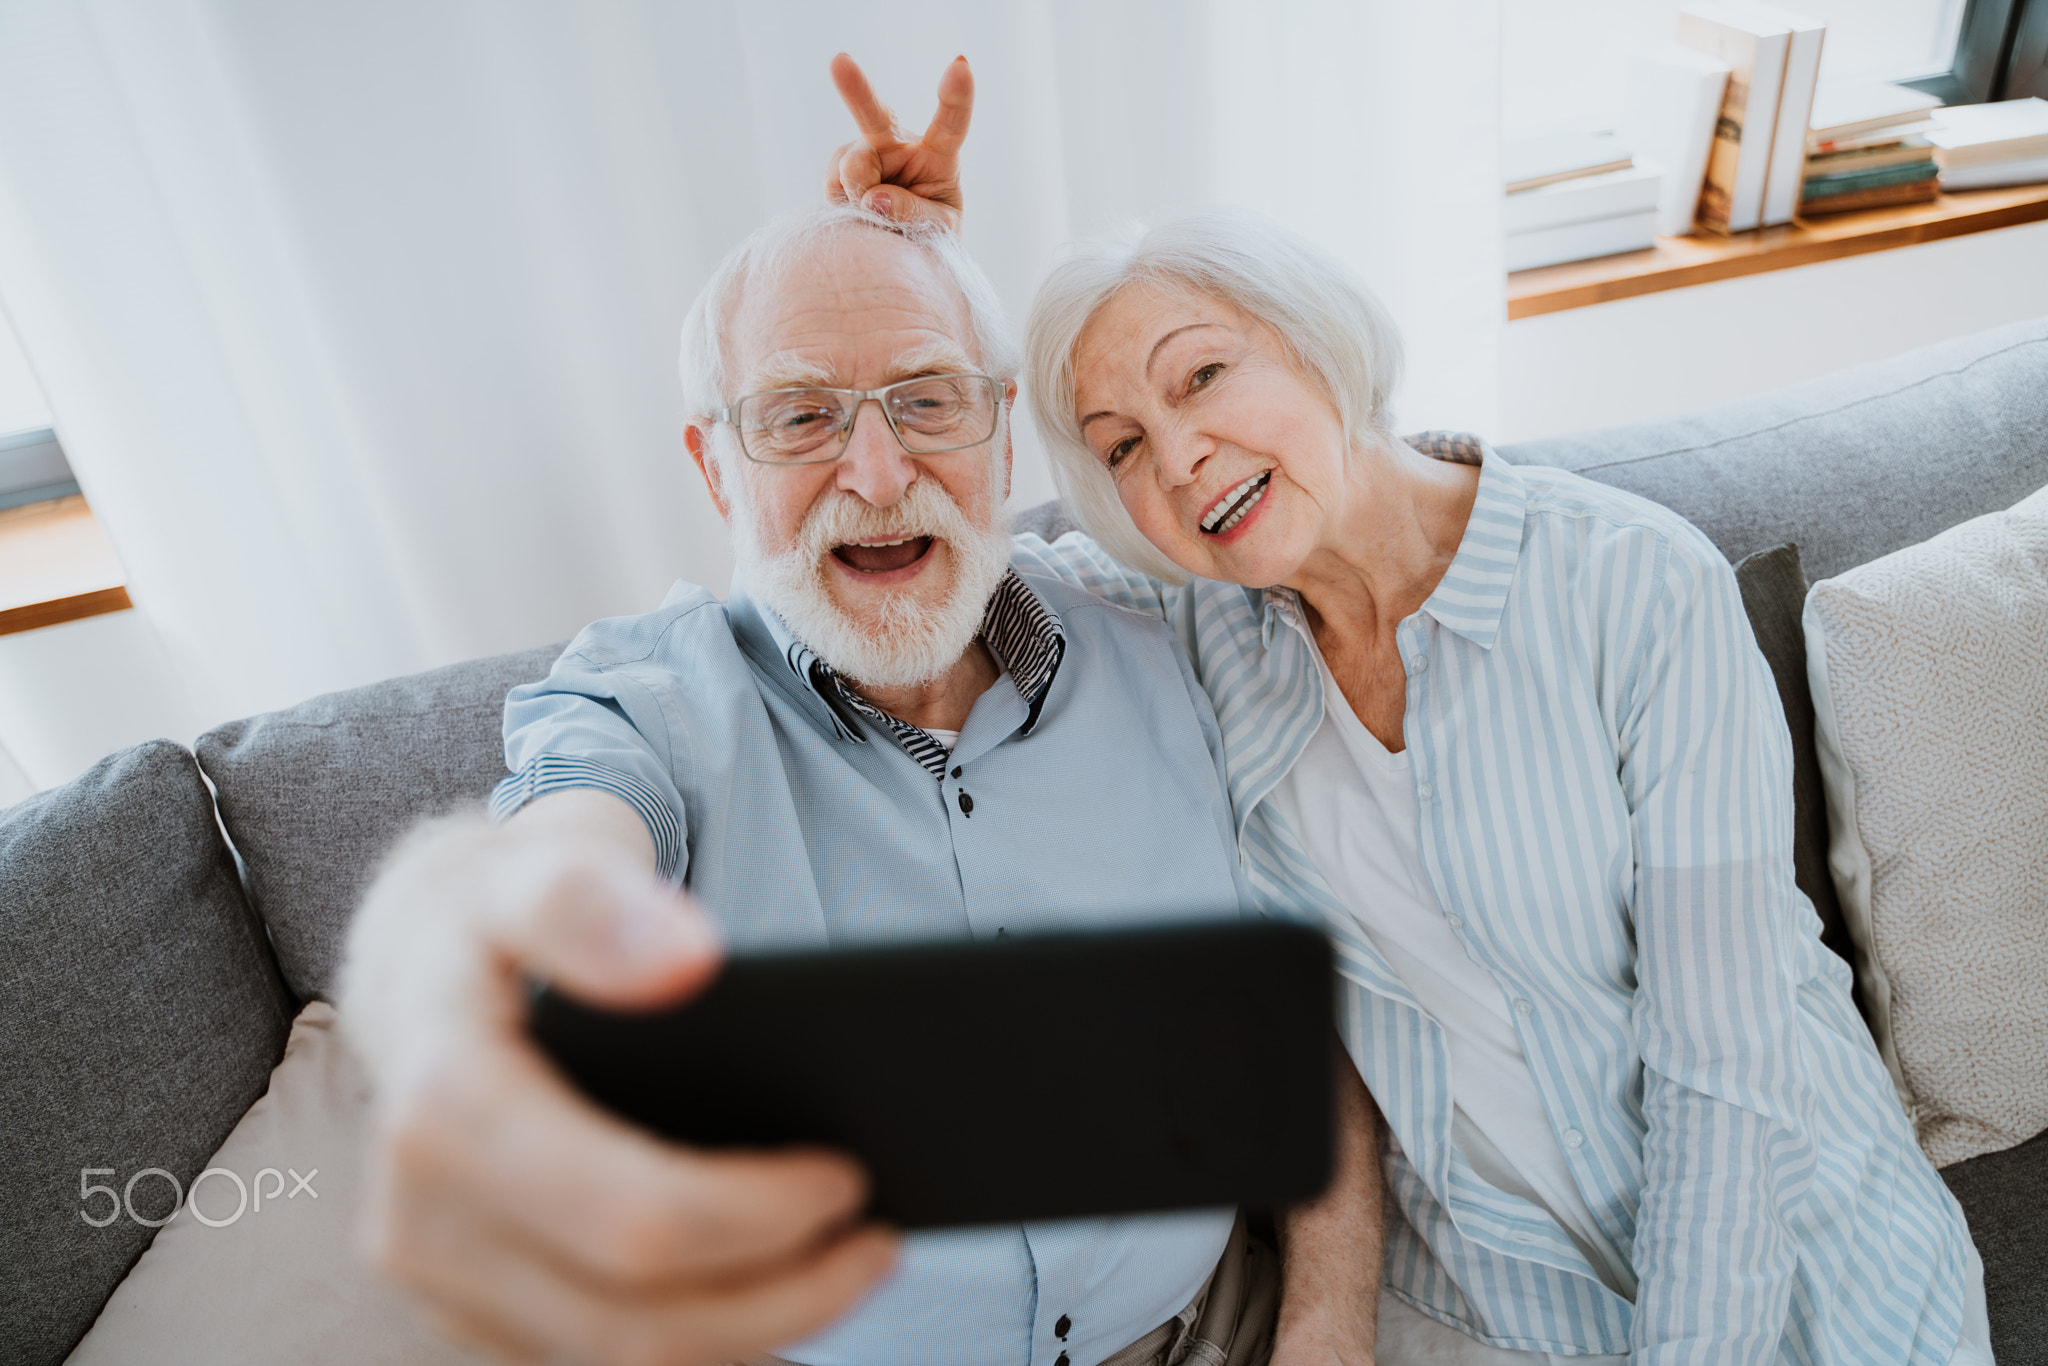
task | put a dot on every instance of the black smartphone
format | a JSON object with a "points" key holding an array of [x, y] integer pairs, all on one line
{"points": [[1038, 1077]]}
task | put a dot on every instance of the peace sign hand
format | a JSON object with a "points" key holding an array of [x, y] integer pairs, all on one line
{"points": [[910, 182]]}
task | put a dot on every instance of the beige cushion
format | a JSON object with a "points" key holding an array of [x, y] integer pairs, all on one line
{"points": [[1930, 685], [283, 1283]]}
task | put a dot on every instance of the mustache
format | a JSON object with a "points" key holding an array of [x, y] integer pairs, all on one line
{"points": [[925, 509]]}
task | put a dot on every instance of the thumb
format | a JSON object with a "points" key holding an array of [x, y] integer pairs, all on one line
{"points": [[901, 206], [609, 934]]}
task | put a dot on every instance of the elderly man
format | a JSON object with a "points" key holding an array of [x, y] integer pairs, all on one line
{"points": [[884, 733]]}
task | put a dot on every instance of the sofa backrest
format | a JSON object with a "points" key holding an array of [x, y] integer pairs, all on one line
{"points": [[1847, 467], [140, 1015], [314, 795]]}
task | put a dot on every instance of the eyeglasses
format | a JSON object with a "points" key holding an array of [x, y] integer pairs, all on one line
{"points": [[932, 415]]}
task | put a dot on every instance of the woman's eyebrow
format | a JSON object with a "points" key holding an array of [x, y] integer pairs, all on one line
{"points": [[1185, 327]]}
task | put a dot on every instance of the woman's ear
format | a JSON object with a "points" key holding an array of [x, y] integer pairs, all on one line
{"points": [[698, 438], [1009, 435]]}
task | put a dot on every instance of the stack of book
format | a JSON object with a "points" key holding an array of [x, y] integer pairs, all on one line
{"points": [[1759, 151], [1982, 145], [1870, 145], [1575, 195]]}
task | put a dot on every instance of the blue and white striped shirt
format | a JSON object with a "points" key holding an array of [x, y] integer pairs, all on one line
{"points": [[1604, 780]]}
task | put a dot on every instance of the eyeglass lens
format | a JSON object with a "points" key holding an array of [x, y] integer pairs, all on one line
{"points": [[942, 413]]}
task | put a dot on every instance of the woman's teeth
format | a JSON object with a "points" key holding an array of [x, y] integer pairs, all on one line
{"points": [[1236, 504]]}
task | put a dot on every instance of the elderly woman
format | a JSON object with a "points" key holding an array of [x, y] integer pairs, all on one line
{"points": [[1504, 732]]}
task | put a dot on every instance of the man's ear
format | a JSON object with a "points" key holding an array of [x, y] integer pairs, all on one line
{"points": [[696, 437]]}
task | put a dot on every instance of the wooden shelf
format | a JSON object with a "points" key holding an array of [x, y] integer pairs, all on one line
{"points": [[1679, 261], [55, 566]]}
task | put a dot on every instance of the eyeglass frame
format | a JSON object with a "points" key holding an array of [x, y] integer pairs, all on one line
{"points": [[728, 413]]}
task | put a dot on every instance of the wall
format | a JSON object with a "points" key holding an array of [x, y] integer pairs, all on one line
{"points": [[70, 694], [1660, 354]]}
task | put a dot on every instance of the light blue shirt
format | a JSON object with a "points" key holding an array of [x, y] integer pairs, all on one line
{"points": [[801, 824], [1603, 777]]}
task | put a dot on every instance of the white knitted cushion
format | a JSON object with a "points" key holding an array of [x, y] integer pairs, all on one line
{"points": [[1930, 686]]}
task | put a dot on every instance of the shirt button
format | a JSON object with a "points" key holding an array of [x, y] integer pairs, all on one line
{"points": [[1573, 1138], [956, 770], [1062, 1361], [1523, 1007], [966, 805], [1059, 1330], [1419, 663], [1424, 791], [1454, 922]]}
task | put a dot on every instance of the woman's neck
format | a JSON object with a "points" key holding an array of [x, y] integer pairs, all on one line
{"points": [[1386, 548]]}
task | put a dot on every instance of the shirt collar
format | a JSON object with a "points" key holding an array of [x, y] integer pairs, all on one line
{"points": [[1018, 628], [1473, 592]]}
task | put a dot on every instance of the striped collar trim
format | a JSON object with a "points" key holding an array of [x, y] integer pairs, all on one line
{"points": [[1019, 630], [1473, 593]]}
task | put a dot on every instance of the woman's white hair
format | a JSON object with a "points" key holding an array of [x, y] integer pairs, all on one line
{"points": [[1335, 329], [772, 251]]}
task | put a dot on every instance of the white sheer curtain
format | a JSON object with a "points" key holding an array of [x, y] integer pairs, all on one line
{"points": [[358, 321]]}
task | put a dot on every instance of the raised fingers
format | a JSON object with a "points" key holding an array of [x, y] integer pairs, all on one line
{"points": [[877, 125], [948, 128]]}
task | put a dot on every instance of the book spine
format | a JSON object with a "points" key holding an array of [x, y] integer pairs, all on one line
{"points": [[1717, 189], [1795, 107], [1847, 182], [1912, 192]]}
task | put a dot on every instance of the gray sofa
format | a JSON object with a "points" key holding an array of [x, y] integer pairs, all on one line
{"points": [[149, 968]]}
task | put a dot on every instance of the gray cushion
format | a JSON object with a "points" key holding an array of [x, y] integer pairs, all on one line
{"points": [[1774, 593], [2003, 1196], [313, 795], [140, 1015], [1852, 466]]}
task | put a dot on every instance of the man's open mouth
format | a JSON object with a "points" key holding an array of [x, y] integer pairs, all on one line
{"points": [[879, 557], [1231, 508]]}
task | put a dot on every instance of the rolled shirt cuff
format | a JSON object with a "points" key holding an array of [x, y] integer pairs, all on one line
{"points": [[559, 773]]}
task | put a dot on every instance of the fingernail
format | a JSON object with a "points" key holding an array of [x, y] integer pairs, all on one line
{"points": [[879, 203]]}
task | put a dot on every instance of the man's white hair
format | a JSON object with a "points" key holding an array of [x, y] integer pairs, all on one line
{"points": [[770, 253], [1335, 329]]}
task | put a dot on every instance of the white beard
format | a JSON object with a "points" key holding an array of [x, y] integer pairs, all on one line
{"points": [[913, 642]]}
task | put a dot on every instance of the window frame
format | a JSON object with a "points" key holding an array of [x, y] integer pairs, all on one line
{"points": [[1979, 70], [2026, 63]]}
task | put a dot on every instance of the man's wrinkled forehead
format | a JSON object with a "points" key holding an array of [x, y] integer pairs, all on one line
{"points": [[856, 309]]}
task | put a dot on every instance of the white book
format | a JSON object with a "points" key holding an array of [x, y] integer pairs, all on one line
{"points": [[2030, 171], [1531, 163], [1978, 134], [1575, 201], [1795, 107], [1732, 196], [1580, 241], [1847, 109], [1674, 97]]}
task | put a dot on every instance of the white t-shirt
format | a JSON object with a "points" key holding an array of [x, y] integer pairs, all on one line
{"points": [[948, 738], [1354, 805]]}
